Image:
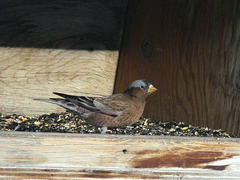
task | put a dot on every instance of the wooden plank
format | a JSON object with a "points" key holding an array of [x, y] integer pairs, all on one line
{"points": [[76, 156], [36, 73], [63, 46], [86, 25], [191, 55]]}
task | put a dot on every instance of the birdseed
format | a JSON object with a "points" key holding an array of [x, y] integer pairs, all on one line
{"points": [[70, 123]]}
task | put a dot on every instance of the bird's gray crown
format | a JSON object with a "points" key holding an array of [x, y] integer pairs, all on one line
{"points": [[142, 84]]}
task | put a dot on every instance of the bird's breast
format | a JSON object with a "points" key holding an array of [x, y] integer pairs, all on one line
{"points": [[131, 115]]}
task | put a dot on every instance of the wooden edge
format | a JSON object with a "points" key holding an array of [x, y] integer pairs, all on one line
{"points": [[113, 136], [76, 156]]}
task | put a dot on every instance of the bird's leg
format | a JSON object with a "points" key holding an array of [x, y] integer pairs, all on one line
{"points": [[103, 130]]}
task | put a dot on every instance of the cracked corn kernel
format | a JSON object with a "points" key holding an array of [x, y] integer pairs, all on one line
{"points": [[172, 130], [24, 119], [110, 131], [185, 128]]}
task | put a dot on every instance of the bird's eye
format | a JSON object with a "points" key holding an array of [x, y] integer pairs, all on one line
{"points": [[142, 87]]}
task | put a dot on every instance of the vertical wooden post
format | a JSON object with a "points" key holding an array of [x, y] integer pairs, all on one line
{"points": [[190, 51]]}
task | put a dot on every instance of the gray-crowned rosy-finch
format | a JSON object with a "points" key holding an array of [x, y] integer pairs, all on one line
{"points": [[117, 110]]}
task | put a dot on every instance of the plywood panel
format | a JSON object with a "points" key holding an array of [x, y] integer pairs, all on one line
{"points": [[63, 46], [193, 49], [75, 156]]}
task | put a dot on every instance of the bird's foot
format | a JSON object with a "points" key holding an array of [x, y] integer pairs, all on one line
{"points": [[103, 130]]}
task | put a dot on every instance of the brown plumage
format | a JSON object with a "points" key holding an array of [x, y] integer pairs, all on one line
{"points": [[117, 110]]}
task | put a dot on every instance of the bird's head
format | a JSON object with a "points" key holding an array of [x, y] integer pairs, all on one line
{"points": [[140, 88]]}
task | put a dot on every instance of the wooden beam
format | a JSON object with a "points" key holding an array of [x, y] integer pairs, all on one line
{"points": [[66, 46], [28, 73], [54, 155], [85, 25], [190, 51]]}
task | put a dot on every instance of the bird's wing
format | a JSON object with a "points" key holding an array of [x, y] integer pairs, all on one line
{"points": [[113, 105], [83, 101]]}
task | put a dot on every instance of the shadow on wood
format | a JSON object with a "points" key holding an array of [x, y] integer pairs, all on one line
{"points": [[85, 25], [63, 46]]}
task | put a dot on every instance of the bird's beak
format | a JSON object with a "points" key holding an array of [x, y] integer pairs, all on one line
{"points": [[152, 89]]}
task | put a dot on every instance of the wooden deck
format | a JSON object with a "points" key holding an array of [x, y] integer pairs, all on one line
{"points": [[77, 156]]}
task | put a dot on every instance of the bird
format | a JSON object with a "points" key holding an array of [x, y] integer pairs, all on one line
{"points": [[117, 110]]}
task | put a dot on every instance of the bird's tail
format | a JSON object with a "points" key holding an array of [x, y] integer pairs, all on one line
{"points": [[61, 102]]}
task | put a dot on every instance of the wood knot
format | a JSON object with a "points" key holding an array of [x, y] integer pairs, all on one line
{"points": [[147, 48]]}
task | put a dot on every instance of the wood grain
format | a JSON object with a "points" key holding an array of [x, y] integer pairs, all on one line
{"points": [[30, 73], [64, 46], [86, 25], [69, 156], [195, 62]]}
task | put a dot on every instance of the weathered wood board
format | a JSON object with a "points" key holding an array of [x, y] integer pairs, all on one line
{"points": [[190, 51], [64, 46], [86, 25], [27, 73], [75, 156]]}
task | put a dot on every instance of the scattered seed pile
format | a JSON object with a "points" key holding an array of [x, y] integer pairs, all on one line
{"points": [[71, 123]]}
